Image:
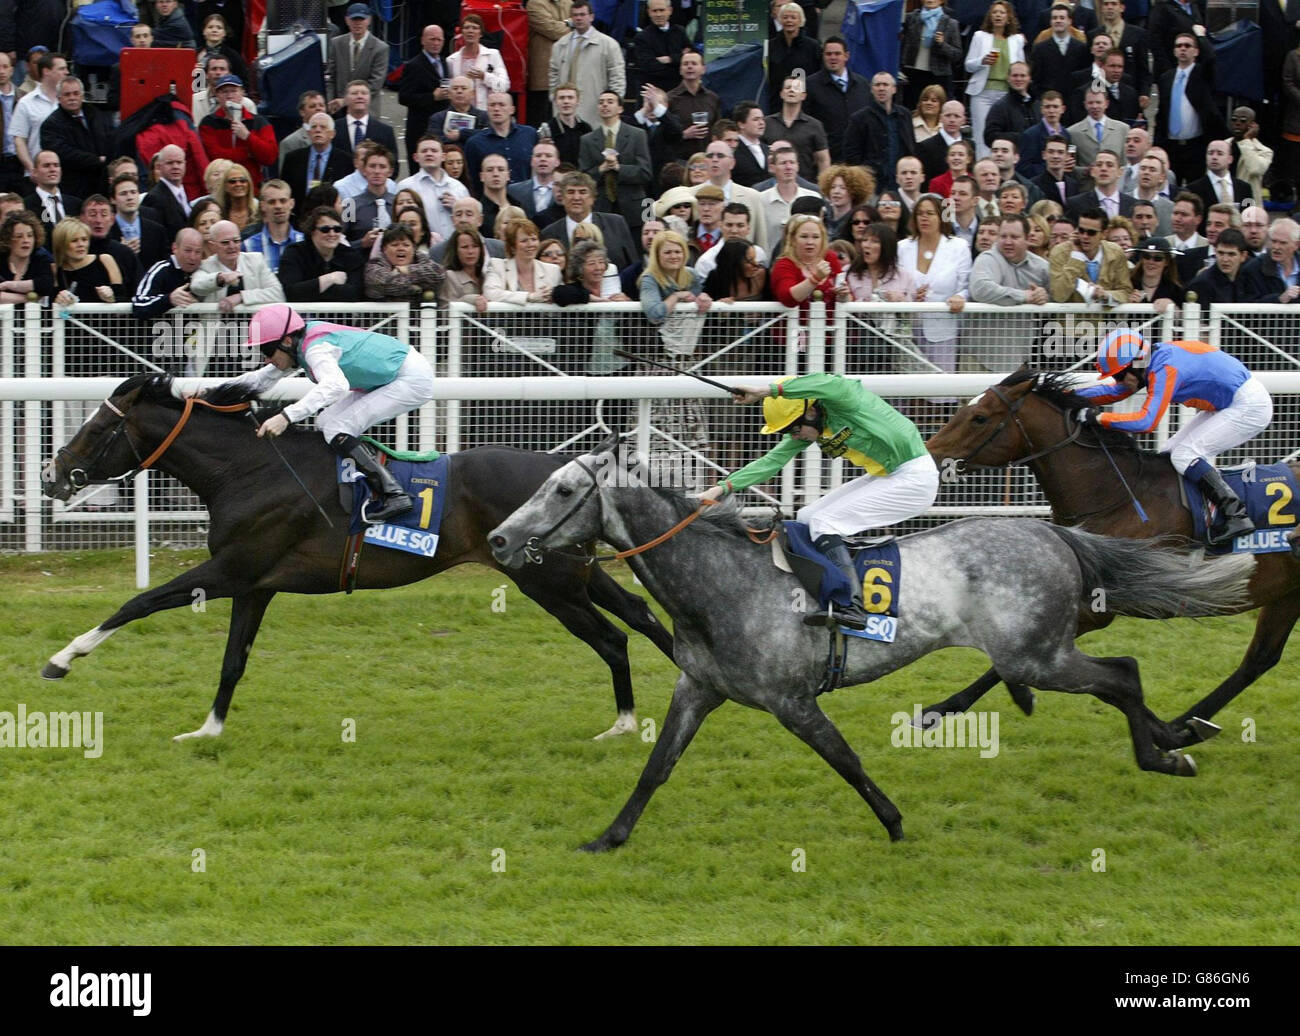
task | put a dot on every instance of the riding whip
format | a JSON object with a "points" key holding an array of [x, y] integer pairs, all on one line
{"points": [[677, 370], [1118, 474], [274, 446]]}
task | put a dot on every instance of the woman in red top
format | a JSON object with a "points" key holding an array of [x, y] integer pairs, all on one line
{"points": [[806, 267]]}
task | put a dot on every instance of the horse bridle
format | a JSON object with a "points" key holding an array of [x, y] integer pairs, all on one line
{"points": [[80, 471], [533, 546], [1013, 414], [1071, 439]]}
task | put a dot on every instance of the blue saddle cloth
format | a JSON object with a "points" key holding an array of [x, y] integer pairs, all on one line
{"points": [[879, 569], [1269, 492], [416, 532]]}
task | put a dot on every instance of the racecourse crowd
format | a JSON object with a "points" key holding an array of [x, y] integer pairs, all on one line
{"points": [[1081, 158]]}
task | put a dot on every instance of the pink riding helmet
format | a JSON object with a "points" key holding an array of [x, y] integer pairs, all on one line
{"points": [[271, 324]]}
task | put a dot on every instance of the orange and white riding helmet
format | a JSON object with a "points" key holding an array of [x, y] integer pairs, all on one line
{"points": [[1121, 349]]}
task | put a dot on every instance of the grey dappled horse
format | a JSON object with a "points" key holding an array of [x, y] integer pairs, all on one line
{"points": [[1011, 587]]}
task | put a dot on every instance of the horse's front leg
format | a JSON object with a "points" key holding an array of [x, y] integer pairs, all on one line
{"points": [[246, 616], [210, 578]]}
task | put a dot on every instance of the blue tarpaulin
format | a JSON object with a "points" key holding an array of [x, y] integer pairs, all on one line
{"points": [[871, 27], [617, 18], [100, 31], [1239, 60], [737, 75]]}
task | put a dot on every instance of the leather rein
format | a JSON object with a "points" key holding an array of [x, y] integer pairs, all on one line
{"points": [[79, 470], [533, 548]]}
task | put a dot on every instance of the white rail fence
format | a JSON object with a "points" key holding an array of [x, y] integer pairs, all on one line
{"points": [[546, 378]]}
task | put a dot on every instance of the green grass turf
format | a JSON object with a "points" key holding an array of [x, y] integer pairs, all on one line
{"points": [[472, 735]]}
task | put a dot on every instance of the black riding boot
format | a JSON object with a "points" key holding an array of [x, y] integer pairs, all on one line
{"points": [[1232, 520], [389, 500], [854, 616]]}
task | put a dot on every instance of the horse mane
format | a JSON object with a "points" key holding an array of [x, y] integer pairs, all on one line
{"points": [[1057, 388], [153, 387], [721, 519]]}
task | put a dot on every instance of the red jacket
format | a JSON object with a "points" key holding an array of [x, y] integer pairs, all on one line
{"points": [[156, 137], [785, 275], [258, 150]]}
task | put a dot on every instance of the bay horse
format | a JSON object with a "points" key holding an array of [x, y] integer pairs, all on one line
{"points": [[267, 536], [1010, 587], [1028, 419]]}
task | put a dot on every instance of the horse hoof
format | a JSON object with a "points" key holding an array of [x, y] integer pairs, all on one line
{"points": [[625, 724], [1184, 765], [600, 845], [895, 831], [1201, 729], [211, 728], [53, 672], [1025, 699]]}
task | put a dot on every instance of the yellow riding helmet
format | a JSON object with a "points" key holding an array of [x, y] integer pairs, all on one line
{"points": [[779, 412]]}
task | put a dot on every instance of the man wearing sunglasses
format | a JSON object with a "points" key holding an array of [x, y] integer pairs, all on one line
{"points": [[1089, 269], [360, 378]]}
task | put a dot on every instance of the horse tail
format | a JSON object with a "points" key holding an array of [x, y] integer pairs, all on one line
{"points": [[1157, 578]]}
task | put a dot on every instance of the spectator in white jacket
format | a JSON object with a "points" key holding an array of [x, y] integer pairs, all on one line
{"points": [[483, 66], [231, 277]]}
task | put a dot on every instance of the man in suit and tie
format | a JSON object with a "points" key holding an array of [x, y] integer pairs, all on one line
{"points": [[1096, 132], [421, 91], [1186, 238], [82, 137], [1055, 59], [357, 55], [146, 238], [933, 151], [1151, 180], [167, 197], [1056, 182], [1105, 194], [1051, 113], [359, 123], [578, 195], [1191, 119], [721, 161], [751, 150], [309, 103], [1130, 41], [1121, 97], [1218, 184], [48, 201], [835, 93], [371, 210], [319, 163], [539, 196]]}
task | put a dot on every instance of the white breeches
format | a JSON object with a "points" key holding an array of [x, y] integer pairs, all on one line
{"points": [[1212, 432], [357, 411], [873, 501]]}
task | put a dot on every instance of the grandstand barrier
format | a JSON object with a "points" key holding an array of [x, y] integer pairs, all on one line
{"points": [[547, 378]]}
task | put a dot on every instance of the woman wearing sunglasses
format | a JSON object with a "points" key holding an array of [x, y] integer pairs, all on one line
{"points": [[360, 379], [323, 268]]}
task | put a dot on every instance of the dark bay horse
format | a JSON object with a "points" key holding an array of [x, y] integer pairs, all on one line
{"points": [[267, 536], [1027, 419], [1010, 587]]}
